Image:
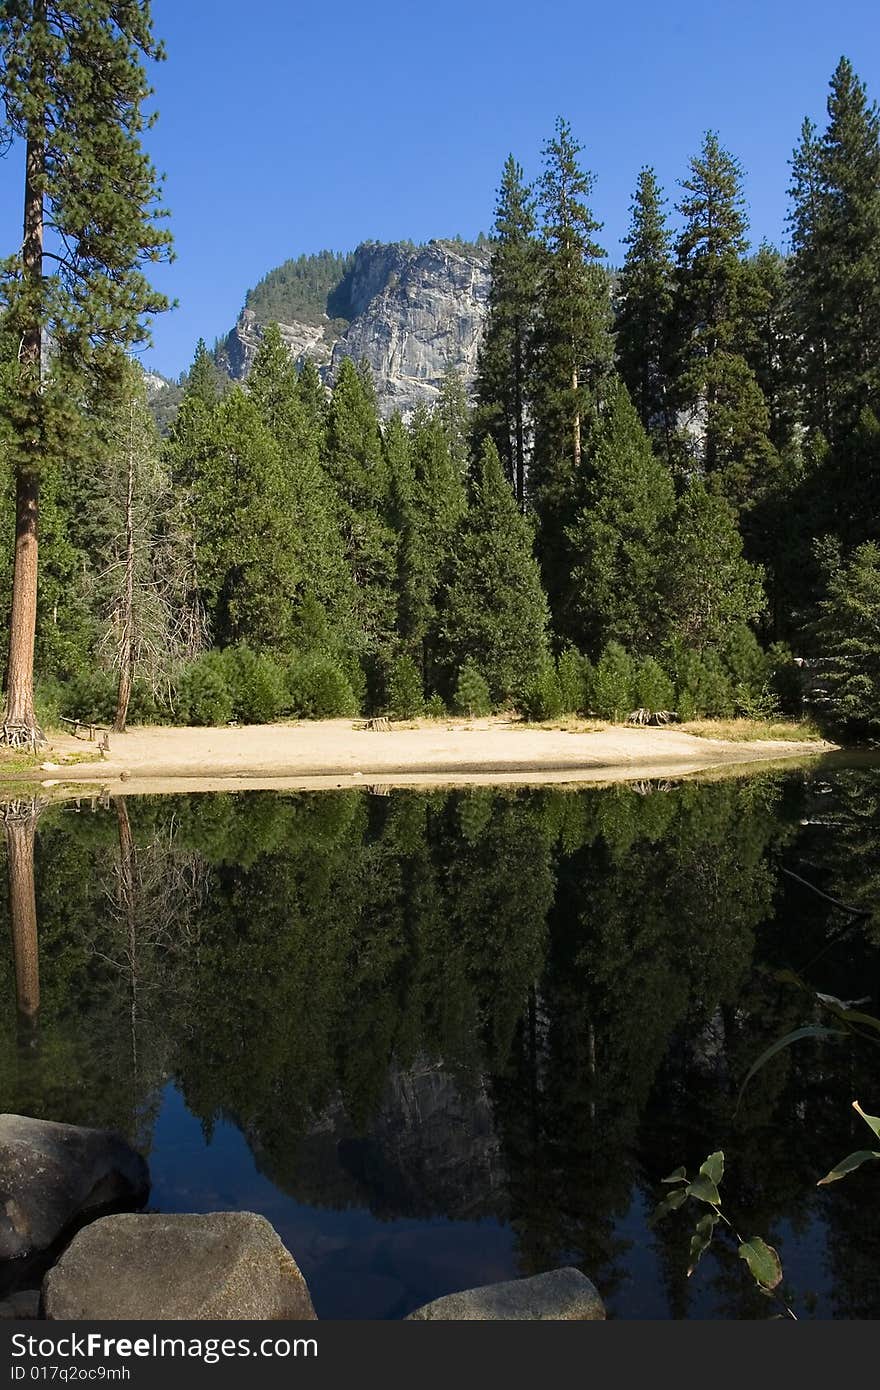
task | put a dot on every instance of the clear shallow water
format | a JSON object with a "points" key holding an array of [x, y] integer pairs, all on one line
{"points": [[440, 1040]]}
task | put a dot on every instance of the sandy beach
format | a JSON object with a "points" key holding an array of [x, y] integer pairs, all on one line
{"points": [[341, 752]]}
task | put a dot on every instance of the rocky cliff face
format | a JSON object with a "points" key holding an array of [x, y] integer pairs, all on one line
{"points": [[411, 312]]}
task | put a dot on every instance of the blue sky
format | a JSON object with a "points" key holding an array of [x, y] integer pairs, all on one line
{"points": [[287, 127]]}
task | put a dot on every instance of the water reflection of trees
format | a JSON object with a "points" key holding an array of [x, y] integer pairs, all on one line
{"points": [[591, 962]]}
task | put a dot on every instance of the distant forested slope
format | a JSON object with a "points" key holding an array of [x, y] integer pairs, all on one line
{"points": [[300, 290]]}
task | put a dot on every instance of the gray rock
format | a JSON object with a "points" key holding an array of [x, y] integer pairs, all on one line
{"points": [[562, 1295], [223, 1265], [413, 313], [23, 1306], [52, 1175], [427, 319]]}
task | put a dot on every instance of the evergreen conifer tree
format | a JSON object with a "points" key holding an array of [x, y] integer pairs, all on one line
{"points": [[247, 558], [709, 587], [728, 424], [494, 610], [835, 232], [73, 86], [644, 309], [275, 387], [502, 371], [573, 346], [619, 535], [356, 465]]}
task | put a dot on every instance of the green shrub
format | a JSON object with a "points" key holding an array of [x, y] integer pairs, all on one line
{"points": [[704, 689], [786, 679], [755, 704], [745, 660], [471, 692], [204, 695], [542, 697], [653, 689], [435, 707], [406, 698], [613, 682], [92, 695], [257, 685], [49, 698], [574, 674], [848, 636], [318, 688]]}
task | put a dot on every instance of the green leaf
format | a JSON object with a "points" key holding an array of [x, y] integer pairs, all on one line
{"points": [[704, 1190], [713, 1168], [811, 1032], [680, 1175], [855, 1016], [670, 1203], [848, 1165], [701, 1239], [872, 1120], [763, 1262]]}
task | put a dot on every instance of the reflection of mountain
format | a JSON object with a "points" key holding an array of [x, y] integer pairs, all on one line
{"points": [[431, 1151]]}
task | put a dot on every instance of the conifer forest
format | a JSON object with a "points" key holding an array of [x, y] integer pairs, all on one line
{"points": [[662, 492], [412, 1011]]}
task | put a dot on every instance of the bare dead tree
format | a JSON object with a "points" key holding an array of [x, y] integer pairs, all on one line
{"points": [[152, 623]]}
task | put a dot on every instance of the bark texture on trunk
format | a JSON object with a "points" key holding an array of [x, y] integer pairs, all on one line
{"points": [[19, 713], [19, 718], [577, 422]]}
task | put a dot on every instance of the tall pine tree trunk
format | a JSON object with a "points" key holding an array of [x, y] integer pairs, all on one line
{"points": [[577, 420], [126, 648], [520, 466], [19, 720]]}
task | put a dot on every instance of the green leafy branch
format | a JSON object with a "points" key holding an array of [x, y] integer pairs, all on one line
{"points": [[762, 1260], [854, 1160]]}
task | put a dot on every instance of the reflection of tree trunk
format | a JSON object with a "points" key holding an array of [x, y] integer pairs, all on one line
{"points": [[23, 912], [128, 886]]}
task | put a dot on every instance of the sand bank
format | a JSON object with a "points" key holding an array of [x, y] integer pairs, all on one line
{"points": [[340, 752]]}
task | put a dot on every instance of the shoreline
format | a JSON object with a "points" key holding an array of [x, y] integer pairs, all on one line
{"points": [[319, 754]]}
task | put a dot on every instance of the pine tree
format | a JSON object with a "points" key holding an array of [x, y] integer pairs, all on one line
{"points": [[429, 502], [619, 535], [709, 588], [835, 232], [73, 86], [494, 611], [727, 418], [357, 468], [204, 381], [767, 340], [810, 289], [848, 634], [502, 386], [275, 387], [644, 297], [247, 559], [573, 346]]}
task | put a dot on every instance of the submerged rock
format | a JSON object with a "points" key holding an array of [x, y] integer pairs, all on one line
{"points": [[223, 1265], [23, 1306], [52, 1175], [561, 1295]]}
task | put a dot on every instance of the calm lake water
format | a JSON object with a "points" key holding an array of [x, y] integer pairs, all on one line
{"points": [[445, 1039]]}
